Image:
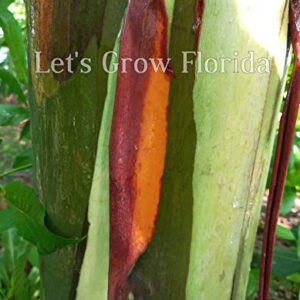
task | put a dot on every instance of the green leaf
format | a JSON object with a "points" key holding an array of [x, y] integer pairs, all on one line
{"points": [[14, 87], [19, 286], [22, 162], [12, 115], [14, 39], [33, 257], [253, 281], [25, 133], [29, 215], [34, 283], [15, 283], [293, 177], [6, 221], [288, 200], [13, 247], [5, 3], [23, 159], [285, 262], [13, 171], [298, 241], [284, 233], [294, 277]]}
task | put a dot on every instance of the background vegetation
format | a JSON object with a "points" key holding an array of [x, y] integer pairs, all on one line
{"points": [[19, 259]]}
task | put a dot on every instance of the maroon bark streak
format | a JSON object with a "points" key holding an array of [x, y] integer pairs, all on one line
{"points": [[44, 34], [137, 41], [199, 11], [283, 151]]}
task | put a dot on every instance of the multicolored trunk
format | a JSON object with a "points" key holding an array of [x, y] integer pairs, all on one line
{"points": [[138, 139], [182, 155]]}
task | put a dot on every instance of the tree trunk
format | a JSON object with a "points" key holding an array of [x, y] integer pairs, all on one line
{"points": [[221, 132], [221, 129], [66, 115]]}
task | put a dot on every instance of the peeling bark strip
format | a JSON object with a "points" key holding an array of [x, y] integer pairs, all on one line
{"points": [[138, 141], [283, 151], [199, 11], [161, 272]]}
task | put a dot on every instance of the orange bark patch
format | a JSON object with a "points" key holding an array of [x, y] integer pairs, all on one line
{"points": [[138, 141], [150, 160]]}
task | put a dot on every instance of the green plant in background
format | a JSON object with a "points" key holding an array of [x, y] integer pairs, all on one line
{"points": [[286, 264], [14, 111], [19, 259], [19, 267]]}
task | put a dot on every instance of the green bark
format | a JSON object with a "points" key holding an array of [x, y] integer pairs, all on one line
{"points": [[220, 135], [215, 174], [66, 115], [161, 273], [93, 285], [235, 116]]}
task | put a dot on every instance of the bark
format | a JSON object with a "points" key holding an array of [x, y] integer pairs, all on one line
{"points": [[66, 114], [221, 129]]}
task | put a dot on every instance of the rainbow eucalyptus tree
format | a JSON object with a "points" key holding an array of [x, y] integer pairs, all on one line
{"points": [[161, 163]]}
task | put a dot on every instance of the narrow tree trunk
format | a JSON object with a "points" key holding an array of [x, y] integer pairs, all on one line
{"points": [[66, 115]]}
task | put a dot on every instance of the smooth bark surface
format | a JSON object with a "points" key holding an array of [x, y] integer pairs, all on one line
{"points": [[235, 117]]}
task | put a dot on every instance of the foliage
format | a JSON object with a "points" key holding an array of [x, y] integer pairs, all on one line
{"points": [[19, 259], [28, 216], [19, 268], [15, 41]]}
